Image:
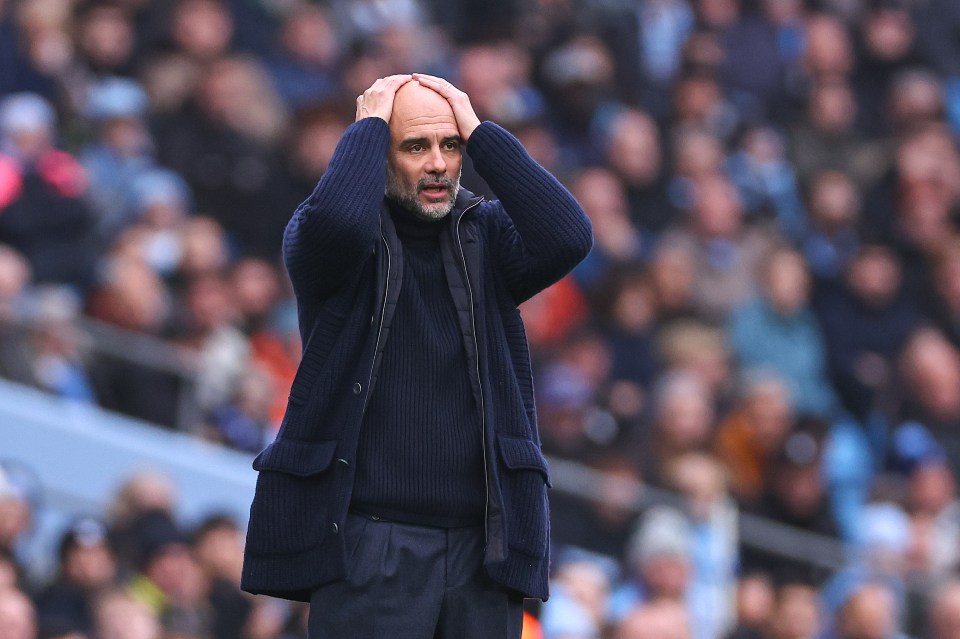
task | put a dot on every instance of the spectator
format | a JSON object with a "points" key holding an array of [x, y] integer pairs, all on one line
{"points": [[43, 212], [796, 496], [633, 150], [121, 152], [658, 620], [944, 611], [796, 614], [701, 480], [304, 70], [866, 324], [168, 579], [930, 369], [828, 139], [583, 590], [218, 546], [831, 239], [877, 565], [778, 330], [221, 142], [935, 515], [617, 242], [119, 615], [754, 610], [727, 251], [868, 613], [658, 565], [87, 568], [682, 421], [17, 616], [749, 438]]}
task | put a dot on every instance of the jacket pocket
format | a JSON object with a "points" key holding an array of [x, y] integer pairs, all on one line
{"points": [[525, 479], [290, 508]]}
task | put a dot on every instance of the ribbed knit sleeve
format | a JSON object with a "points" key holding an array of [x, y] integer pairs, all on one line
{"points": [[547, 232], [331, 233]]}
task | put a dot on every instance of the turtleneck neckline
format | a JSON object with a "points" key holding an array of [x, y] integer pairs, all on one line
{"points": [[412, 227]]}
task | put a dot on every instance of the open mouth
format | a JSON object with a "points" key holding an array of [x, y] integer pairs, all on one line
{"points": [[435, 191]]}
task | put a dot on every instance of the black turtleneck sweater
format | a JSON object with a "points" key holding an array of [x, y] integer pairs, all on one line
{"points": [[420, 455]]}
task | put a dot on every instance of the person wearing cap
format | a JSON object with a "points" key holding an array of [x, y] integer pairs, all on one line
{"points": [[121, 152], [405, 494], [87, 567]]}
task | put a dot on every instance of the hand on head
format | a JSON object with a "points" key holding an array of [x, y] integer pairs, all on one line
{"points": [[377, 101], [467, 119]]}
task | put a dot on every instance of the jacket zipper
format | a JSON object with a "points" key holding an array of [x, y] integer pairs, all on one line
{"points": [[383, 314], [476, 347]]}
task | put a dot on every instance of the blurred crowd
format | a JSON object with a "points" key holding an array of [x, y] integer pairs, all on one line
{"points": [[769, 321]]}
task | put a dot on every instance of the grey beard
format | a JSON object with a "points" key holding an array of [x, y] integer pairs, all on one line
{"points": [[408, 199]]}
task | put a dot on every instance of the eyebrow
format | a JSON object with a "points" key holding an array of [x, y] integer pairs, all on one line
{"points": [[425, 141]]}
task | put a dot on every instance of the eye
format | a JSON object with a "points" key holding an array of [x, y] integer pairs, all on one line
{"points": [[416, 148], [451, 145]]}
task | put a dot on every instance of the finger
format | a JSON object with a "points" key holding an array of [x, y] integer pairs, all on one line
{"points": [[396, 81], [439, 85]]}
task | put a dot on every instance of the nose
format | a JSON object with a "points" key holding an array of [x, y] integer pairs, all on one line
{"points": [[436, 162]]}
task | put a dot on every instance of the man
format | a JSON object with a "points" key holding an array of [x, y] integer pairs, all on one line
{"points": [[405, 494]]}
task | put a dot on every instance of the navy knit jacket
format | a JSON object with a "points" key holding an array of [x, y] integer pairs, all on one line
{"points": [[346, 264]]}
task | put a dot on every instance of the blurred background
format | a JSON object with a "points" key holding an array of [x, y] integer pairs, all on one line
{"points": [[749, 392]]}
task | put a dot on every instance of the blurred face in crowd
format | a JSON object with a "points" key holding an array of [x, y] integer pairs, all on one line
{"points": [[945, 612], [797, 614], [685, 413], [202, 28], [90, 566], [716, 208], [786, 282], [718, 14], [309, 36], [697, 154], [916, 100], [832, 107], [586, 583], [874, 276], [755, 600], [117, 615], [781, 12], [868, 614], [17, 616], [673, 273], [424, 161], [15, 519], [604, 200], [220, 552], [828, 52], [490, 76], [696, 98], [106, 37], [888, 33], [660, 620], [313, 144], [768, 410], [931, 367], [834, 201], [634, 150], [932, 488]]}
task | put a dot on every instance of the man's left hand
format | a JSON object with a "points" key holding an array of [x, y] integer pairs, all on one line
{"points": [[467, 119]]}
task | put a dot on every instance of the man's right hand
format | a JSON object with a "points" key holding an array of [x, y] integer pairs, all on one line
{"points": [[377, 101]]}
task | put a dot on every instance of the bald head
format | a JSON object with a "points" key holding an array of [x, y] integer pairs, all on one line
{"points": [[417, 108]]}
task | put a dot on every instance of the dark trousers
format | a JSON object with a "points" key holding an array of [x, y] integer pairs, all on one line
{"points": [[414, 582]]}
